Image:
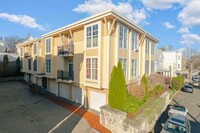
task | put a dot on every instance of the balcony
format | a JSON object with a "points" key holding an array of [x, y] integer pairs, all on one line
{"points": [[66, 50], [27, 54], [65, 75]]}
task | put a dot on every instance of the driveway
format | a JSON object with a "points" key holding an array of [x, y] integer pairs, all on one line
{"points": [[192, 103], [23, 112]]}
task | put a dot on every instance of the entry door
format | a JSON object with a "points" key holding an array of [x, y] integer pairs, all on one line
{"points": [[44, 82], [71, 76]]}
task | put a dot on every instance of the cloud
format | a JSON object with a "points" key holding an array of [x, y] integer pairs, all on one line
{"points": [[190, 38], [24, 20], [168, 25], [162, 4], [183, 30], [95, 6], [190, 15]]}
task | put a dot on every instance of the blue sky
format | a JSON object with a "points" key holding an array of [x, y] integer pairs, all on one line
{"points": [[173, 22]]}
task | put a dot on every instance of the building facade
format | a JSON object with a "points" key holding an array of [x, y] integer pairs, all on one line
{"points": [[168, 63], [75, 61], [1, 45]]}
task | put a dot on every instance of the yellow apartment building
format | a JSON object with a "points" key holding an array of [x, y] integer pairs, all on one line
{"points": [[75, 61]]}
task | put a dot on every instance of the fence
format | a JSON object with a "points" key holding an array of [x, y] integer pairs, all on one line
{"points": [[12, 70]]}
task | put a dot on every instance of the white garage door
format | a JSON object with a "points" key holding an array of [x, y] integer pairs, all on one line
{"points": [[39, 81], [64, 91], [53, 87], [33, 79], [97, 100], [77, 95]]}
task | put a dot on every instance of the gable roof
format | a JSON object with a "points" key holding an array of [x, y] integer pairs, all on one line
{"points": [[98, 17]]}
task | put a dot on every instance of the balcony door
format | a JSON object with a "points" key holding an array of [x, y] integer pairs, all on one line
{"points": [[71, 75]]}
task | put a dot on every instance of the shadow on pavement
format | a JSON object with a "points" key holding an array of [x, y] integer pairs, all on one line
{"points": [[195, 127], [163, 118]]}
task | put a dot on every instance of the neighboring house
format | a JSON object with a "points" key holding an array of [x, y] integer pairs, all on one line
{"points": [[173, 62], [75, 61], [1, 45], [159, 63], [11, 56]]}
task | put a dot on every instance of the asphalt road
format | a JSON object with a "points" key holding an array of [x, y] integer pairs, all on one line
{"points": [[192, 103]]}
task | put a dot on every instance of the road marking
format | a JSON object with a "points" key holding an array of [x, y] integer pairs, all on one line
{"points": [[60, 123]]}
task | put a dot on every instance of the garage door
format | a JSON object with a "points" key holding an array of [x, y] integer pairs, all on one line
{"points": [[53, 87], [77, 95], [97, 100], [33, 79], [64, 91], [39, 81]]}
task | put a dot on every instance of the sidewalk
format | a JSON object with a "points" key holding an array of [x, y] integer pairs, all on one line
{"points": [[92, 119]]}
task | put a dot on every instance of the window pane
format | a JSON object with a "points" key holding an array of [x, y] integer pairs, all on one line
{"points": [[89, 34]]}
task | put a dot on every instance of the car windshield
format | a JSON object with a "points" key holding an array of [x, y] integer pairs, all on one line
{"points": [[174, 128], [179, 108]]}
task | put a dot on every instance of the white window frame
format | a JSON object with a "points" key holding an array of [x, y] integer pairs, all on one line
{"points": [[153, 47], [124, 38], [35, 48], [91, 68], [134, 40], [134, 67], [124, 64], [48, 65], [147, 46], [92, 35], [49, 52]]}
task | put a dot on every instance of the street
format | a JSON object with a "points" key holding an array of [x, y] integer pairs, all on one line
{"points": [[192, 103]]}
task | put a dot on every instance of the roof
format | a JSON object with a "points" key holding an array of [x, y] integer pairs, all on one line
{"points": [[100, 16]]}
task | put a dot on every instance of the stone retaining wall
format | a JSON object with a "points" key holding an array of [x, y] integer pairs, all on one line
{"points": [[117, 122]]}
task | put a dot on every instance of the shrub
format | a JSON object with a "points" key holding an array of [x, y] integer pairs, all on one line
{"points": [[17, 66], [138, 91], [155, 79], [157, 90], [117, 88], [177, 82], [145, 84]]}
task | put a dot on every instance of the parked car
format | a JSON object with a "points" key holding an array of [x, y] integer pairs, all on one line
{"points": [[177, 109], [187, 88], [176, 124]]}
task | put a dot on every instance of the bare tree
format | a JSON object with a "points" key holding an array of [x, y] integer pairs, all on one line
{"points": [[167, 48], [10, 43], [191, 59]]}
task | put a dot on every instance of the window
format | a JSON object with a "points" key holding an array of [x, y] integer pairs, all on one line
{"points": [[92, 36], [134, 41], [152, 66], [147, 46], [29, 64], [48, 45], [124, 66], [35, 48], [91, 68], [21, 63], [35, 65], [134, 68], [21, 51], [146, 67], [48, 65], [152, 48], [123, 37], [178, 66]]}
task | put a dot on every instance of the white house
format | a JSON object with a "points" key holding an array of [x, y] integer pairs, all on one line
{"points": [[1, 45], [168, 63]]}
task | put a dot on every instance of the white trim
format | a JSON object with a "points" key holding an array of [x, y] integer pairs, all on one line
{"points": [[92, 57], [97, 17], [117, 44]]}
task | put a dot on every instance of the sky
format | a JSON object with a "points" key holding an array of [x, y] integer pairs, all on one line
{"points": [[172, 22]]}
